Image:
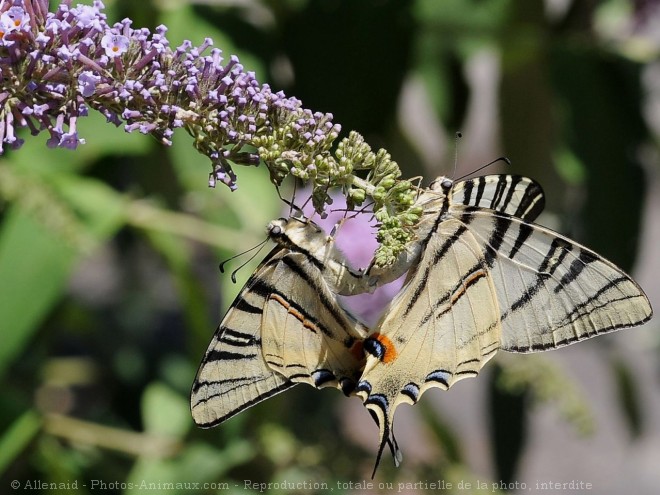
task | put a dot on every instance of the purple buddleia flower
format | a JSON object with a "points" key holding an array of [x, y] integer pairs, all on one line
{"points": [[59, 64], [55, 66], [87, 82], [88, 17], [12, 22], [114, 44], [15, 19]]}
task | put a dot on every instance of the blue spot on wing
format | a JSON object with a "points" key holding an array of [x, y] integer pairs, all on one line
{"points": [[441, 376], [374, 347], [412, 391], [321, 377]]}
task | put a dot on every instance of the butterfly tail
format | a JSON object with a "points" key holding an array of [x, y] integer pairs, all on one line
{"points": [[386, 438], [397, 455]]}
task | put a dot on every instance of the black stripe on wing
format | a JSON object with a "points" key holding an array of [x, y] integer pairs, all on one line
{"points": [[587, 291], [512, 194], [553, 259], [261, 287], [215, 355], [439, 254], [235, 338], [329, 305], [245, 405]]}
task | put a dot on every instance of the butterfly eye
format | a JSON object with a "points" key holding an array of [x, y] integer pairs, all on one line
{"points": [[275, 231], [443, 184]]}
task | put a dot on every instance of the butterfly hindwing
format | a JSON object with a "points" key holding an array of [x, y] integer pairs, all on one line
{"points": [[312, 333], [443, 326]]}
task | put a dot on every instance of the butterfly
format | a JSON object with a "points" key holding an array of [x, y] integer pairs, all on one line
{"points": [[483, 277], [285, 327]]}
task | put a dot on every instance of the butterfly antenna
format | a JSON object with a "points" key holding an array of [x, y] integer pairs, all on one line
{"points": [[500, 159], [233, 274], [293, 197], [368, 207], [355, 213], [457, 138], [324, 214], [291, 204], [260, 245], [364, 208], [306, 203]]}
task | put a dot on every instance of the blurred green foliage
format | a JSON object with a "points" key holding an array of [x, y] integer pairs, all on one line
{"points": [[109, 291]]}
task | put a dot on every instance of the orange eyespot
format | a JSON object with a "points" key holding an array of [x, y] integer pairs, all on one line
{"points": [[384, 348]]}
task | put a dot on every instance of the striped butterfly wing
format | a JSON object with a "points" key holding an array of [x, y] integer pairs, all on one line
{"points": [[442, 327], [552, 291], [233, 374], [286, 318], [310, 338], [511, 194], [514, 195], [485, 280]]}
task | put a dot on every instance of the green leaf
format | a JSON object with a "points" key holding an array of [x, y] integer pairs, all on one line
{"points": [[569, 166], [17, 436], [36, 259], [164, 411], [34, 267], [101, 207]]}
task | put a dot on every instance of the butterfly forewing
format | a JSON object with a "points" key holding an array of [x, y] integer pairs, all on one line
{"points": [[515, 195], [551, 290], [233, 375], [511, 194]]}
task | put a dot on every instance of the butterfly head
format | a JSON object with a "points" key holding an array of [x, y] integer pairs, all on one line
{"points": [[432, 199], [294, 233], [442, 184]]}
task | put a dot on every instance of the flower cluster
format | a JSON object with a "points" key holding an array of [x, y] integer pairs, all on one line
{"points": [[54, 66]]}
